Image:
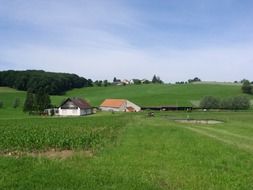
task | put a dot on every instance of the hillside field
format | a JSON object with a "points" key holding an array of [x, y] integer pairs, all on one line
{"points": [[154, 95], [127, 150]]}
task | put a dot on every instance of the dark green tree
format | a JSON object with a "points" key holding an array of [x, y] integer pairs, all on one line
{"points": [[42, 100], [29, 104], [210, 102], [246, 87]]}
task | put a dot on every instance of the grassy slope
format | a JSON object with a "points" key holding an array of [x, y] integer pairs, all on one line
{"points": [[153, 95], [152, 153]]}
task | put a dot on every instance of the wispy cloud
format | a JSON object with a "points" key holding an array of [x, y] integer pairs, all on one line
{"points": [[102, 39]]}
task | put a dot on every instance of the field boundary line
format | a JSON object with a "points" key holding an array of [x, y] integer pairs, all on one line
{"points": [[241, 146]]}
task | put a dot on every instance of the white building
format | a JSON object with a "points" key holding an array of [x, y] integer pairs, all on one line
{"points": [[119, 105], [75, 107]]}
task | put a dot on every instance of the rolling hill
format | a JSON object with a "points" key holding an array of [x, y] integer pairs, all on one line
{"points": [[143, 95], [154, 94]]}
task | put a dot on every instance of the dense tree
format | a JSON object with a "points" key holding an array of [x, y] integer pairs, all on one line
{"points": [[231, 103], [156, 79], [246, 87], [105, 83], [42, 100], [241, 103], [210, 102], [29, 104], [53, 83], [196, 79]]}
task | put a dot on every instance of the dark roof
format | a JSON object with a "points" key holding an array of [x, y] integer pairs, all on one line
{"points": [[79, 102]]}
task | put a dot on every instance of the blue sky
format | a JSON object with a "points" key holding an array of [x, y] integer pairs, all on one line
{"points": [[100, 39]]}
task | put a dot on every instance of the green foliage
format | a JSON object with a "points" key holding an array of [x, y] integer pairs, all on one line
{"points": [[210, 102], [196, 79], [156, 79], [53, 83], [62, 133], [42, 100], [30, 102], [247, 87], [231, 103], [241, 103]]}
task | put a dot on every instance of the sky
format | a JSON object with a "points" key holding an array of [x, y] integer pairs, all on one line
{"points": [[102, 39]]}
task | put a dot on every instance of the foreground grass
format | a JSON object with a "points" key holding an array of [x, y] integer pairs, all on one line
{"points": [[151, 153]]}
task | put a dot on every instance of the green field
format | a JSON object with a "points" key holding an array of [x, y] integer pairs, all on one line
{"points": [[128, 150], [154, 95]]}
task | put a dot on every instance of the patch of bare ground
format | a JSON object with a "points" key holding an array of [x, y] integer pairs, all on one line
{"points": [[50, 154], [194, 121]]}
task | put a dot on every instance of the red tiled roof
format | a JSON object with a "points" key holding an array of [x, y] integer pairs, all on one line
{"points": [[114, 103]]}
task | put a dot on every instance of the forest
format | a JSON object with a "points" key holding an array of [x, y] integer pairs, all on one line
{"points": [[34, 80]]}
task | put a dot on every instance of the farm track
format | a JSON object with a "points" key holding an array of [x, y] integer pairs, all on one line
{"points": [[248, 147]]}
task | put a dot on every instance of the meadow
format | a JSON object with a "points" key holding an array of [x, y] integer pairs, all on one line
{"points": [[128, 150]]}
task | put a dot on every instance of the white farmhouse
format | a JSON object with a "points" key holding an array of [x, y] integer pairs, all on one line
{"points": [[75, 107], [119, 105]]}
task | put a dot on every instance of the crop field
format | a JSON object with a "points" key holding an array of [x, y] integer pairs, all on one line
{"points": [[131, 151]]}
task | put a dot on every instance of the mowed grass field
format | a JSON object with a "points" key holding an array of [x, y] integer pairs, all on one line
{"points": [[127, 150]]}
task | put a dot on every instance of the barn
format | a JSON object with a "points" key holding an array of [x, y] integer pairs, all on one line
{"points": [[75, 107], [119, 105]]}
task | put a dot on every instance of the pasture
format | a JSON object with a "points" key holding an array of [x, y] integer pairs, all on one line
{"points": [[131, 151]]}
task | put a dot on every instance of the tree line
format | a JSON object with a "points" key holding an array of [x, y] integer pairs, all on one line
{"points": [[230, 103], [34, 80], [247, 87]]}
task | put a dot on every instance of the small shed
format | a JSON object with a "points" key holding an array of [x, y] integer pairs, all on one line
{"points": [[75, 107], [119, 105]]}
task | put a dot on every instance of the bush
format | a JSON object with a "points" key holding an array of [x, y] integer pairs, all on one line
{"points": [[227, 103], [1, 104], [232, 103], [246, 87], [210, 102], [241, 103]]}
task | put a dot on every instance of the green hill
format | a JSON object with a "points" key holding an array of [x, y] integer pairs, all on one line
{"points": [[143, 95], [154, 94]]}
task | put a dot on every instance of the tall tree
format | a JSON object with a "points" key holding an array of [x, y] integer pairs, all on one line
{"points": [[29, 104], [246, 87], [42, 100]]}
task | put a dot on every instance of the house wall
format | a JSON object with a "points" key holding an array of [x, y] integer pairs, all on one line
{"points": [[69, 112], [131, 104], [85, 111]]}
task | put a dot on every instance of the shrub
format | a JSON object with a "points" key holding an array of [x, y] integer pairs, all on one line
{"points": [[210, 102], [241, 103], [246, 87]]}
